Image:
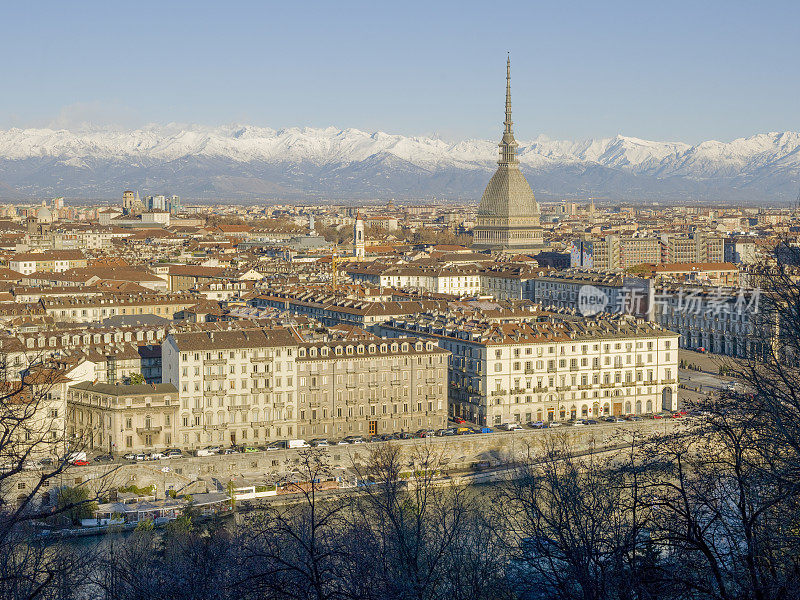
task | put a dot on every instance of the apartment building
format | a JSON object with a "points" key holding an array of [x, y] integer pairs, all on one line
{"points": [[637, 250], [122, 418], [332, 309], [561, 290], [509, 281], [235, 386], [370, 387], [722, 320], [98, 308], [697, 248], [55, 261], [519, 372], [452, 279]]}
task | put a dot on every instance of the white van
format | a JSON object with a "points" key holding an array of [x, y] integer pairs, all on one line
{"points": [[298, 444]]}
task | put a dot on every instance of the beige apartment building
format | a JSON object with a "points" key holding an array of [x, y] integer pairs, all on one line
{"points": [[520, 372], [235, 386], [122, 418], [55, 261], [371, 387], [258, 385], [97, 308]]}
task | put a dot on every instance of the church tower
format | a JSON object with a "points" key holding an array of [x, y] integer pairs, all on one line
{"points": [[358, 238], [508, 214]]}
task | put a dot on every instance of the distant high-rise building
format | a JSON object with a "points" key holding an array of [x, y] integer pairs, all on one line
{"points": [[508, 214]]}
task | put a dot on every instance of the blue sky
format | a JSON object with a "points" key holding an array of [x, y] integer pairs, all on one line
{"points": [[684, 71]]}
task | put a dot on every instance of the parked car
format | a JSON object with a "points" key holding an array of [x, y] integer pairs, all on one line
{"points": [[591, 422], [554, 424], [536, 424], [141, 456], [634, 418], [248, 449], [464, 431], [207, 451], [80, 463], [319, 443], [230, 451], [423, 433], [509, 426], [354, 439], [616, 420], [486, 430], [104, 458], [277, 445], [173, 453], [298, 444], [404, 435], [129, 456], [458, 420], [46, 462], [155, 456]]}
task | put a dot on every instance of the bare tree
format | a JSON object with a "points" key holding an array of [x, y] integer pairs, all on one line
{"points": [[33, 463], [574, 527], [295, 550], [429, 536]]}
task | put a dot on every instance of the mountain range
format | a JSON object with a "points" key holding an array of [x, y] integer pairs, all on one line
{"points": [[251, 163]]}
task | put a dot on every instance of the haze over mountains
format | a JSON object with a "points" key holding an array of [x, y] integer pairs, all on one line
{"points": [[245, 162]]}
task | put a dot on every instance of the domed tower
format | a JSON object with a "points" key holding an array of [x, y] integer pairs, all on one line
{"points": [[508, 214]]}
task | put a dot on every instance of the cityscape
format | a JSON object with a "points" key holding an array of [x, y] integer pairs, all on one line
{"points": [[314, 363]]}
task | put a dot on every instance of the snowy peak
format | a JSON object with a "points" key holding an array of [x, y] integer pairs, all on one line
{"points": [[766, 164]]}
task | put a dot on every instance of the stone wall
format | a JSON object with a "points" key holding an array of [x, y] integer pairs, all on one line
{"points": [[197, 474]]}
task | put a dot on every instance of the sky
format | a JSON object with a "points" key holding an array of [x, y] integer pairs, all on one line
{"points": [[677, 71]]}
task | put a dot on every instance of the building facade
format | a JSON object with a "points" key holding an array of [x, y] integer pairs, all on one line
{"points": [[370, 387], [520, 372]]}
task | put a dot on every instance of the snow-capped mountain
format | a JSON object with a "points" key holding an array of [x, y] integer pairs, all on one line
{"points": [[253, 162]]}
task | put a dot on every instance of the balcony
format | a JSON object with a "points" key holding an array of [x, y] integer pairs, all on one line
{"points": [[499, 392], [146, 430], [529, 370], [518, 390], [215, 361]]}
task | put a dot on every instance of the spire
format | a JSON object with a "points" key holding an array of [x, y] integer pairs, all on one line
{"points": [[508, 145]]}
